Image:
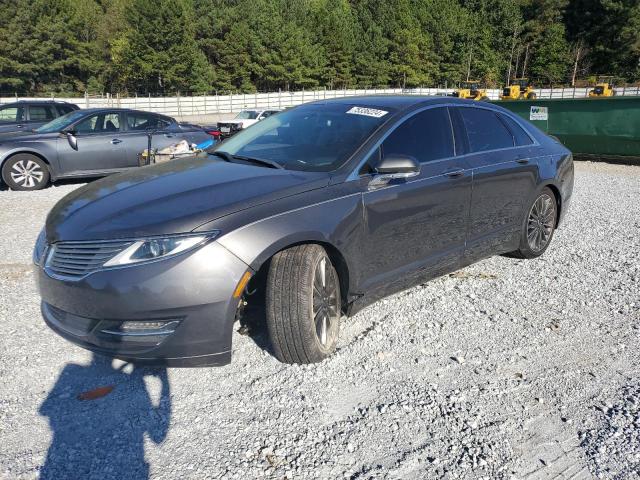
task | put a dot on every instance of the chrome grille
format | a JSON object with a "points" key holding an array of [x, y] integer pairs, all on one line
{"points": [[76, 259]]}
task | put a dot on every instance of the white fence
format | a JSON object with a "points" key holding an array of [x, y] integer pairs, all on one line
{"points": [[196, 106]]}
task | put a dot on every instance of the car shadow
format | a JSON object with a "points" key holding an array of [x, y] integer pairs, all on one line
{"points": [[100, 415]]}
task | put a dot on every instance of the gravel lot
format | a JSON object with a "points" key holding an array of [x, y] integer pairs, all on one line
{"points": [[506, 369]]}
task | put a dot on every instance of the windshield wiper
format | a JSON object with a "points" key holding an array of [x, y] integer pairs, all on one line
{"points": [[230, 158], [226, 156], [263, 161]]}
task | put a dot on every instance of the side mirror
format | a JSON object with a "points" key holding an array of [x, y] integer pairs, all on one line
{"points": [[393, 164], [394, 167], [71, 138]]}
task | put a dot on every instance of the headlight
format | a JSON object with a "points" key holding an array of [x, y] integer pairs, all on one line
{"points": [[157, 248], [38, 249]]}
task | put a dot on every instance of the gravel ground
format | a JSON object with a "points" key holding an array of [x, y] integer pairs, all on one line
{"points": [[506, 369]]}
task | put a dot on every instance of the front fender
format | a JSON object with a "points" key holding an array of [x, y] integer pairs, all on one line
{"points": [[335, 222]]}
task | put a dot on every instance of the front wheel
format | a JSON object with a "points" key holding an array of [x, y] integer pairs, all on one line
{"points": [[25, 172], [303, 304], [531, 96], [539, 226]]}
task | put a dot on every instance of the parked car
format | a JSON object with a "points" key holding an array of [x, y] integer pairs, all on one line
{"points": [[30, 114], [244, 119], [313, 213], [87, 143]]}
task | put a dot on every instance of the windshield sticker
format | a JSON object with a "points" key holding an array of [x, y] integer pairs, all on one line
{"points": [[368, 112]]}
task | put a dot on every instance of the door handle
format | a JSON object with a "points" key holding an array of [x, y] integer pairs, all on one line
{"points": [[454, 173], [167, 135], [522, 161], [116, 141], [19, 126]]}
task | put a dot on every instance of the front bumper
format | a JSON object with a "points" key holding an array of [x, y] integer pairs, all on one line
{"points": [[228, 129], [192, 293]]}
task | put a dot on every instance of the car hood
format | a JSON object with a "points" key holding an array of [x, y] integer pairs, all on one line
{"points": [[173, 197]]}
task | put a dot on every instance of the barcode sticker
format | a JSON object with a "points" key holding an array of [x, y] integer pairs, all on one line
{"points": [[368, 112]]}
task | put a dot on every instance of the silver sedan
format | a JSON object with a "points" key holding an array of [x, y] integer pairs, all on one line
{"points": [[87, 143]]}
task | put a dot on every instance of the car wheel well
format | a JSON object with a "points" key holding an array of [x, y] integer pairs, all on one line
{"points": [[28, 153], [556, 193], [258, 281]]}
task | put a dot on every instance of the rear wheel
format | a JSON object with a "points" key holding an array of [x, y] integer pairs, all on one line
{"points": [[531, 96], [25, 172], [303, 304], [539, 226]]}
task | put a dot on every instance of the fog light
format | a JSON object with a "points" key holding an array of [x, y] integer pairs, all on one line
{"points": [[143, 328]]}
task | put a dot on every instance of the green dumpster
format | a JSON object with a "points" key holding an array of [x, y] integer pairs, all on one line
{"points": [[590, 126]]}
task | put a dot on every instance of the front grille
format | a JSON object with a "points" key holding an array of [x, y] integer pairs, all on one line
{"points": [[76, 259]]}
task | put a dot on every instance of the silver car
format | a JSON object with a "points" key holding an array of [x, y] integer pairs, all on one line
{"points": [[87, 143]]}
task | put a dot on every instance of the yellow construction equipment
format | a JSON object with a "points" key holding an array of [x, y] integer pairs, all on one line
{"points": [[471, 90], [604, 87], [520, 89]]}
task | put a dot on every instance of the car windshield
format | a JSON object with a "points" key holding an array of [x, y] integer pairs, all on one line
{"points": [[61, 123], [247, 115], [316, 137]]}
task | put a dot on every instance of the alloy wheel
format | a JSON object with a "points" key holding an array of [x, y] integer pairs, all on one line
{"points": [[541, 221], [325, 300], [27, 173]]}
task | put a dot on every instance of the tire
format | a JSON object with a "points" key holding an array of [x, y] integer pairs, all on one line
{"points": [[294, 293], [484, 98], [535, 236], [24, 171], [532, 96]]}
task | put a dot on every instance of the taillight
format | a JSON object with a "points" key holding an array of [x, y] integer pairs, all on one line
{"points": [[214, 133]]}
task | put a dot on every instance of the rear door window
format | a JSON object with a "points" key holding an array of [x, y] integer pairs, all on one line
{"points": [[41, 113], [519, 135], [426, 136], [484, 130], [62, 109], [145, 121], [12, 114]]}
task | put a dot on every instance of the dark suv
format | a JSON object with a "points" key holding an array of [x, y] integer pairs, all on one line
{"points": [[28, 114]]}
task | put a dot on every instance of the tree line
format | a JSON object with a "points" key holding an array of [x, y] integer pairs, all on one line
{"points": [[201, 46]]}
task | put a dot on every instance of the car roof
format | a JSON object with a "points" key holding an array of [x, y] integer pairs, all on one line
{"points": [[38, 102], [116, 109], [401, 102]]}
